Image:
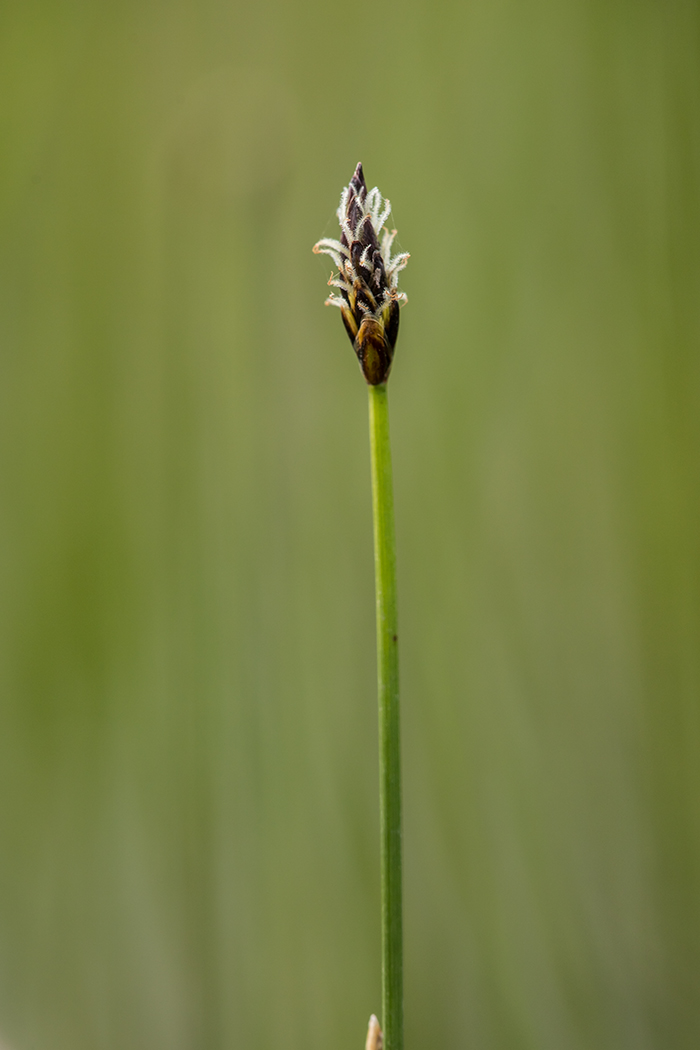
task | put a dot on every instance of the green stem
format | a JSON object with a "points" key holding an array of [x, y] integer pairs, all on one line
{"points": [[389, 753]]}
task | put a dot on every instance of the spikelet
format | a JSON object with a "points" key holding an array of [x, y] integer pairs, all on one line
{"points": [[367, 278], [375, 1039]]}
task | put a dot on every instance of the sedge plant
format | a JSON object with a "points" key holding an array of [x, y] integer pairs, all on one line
{"points": [[367, 294]]}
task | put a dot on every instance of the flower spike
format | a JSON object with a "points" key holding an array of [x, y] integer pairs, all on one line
{"points": [[367, 277]]}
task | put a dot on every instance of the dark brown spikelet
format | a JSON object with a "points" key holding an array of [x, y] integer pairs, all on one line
{"points": [[367, 277]]}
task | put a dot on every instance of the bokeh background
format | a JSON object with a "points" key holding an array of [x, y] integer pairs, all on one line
{"points": [[188, 785]]}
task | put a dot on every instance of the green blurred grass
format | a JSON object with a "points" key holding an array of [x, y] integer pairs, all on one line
{"points": [[188, 832]]}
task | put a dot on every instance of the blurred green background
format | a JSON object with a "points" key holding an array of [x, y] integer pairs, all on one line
{"points": [[188, 785]]}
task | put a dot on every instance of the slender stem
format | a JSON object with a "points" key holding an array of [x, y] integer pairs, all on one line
{"points": [[389, 751]]}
